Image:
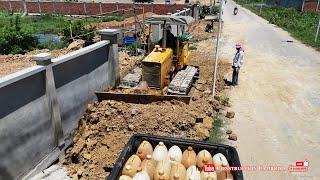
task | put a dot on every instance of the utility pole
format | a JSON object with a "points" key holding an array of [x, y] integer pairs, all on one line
{"points": [[318, 6], [315, 39], [217, 52]]}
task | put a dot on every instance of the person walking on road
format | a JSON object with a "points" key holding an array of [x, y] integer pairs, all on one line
{"points": [[236, 64]]}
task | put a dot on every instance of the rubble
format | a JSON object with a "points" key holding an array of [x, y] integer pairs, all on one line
{"points": [[202, 132], [232, 137], [75, 45], [230, 114]]}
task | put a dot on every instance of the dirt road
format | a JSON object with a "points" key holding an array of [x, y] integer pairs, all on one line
{"points": [[277, 103]]}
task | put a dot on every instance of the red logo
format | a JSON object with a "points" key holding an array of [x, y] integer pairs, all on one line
{"points": [[209, 168], [299, 163], [302, 163]]}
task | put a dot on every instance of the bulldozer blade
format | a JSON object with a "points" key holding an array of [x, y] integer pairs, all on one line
{"points": [[140, 98]]}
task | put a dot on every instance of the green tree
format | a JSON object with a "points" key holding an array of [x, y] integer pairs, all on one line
{"points": [[15, 40]]}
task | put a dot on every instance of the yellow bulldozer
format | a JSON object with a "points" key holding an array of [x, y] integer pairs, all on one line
{"points": [[165, 69], [169, 55]]}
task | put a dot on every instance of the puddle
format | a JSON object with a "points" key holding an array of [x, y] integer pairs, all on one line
{"points": [[45, 38]]}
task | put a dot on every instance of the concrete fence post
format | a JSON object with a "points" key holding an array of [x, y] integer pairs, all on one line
{"points": [[195, 12], [25, 7], [100, 6], [54, 6], [114, 36], [117, 8], [302, 7], [114, 55], [84, 8], [174, 7], [39, 6], [134, 9], [10, 7], [44, 59], [152, 8], [69, 8]]}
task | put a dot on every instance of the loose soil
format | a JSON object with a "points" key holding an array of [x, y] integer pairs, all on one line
{"points": [[106, 126], [13, 63], [122, 24]]}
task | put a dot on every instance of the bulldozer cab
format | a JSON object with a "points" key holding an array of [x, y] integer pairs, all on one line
{"points": [[170, 54], [165, 30]]}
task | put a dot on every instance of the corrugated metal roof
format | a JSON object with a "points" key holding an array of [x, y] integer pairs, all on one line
{"points": [[159, 19]]}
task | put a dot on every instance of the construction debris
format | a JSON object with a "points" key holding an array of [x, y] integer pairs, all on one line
{"points": [[182, 82], [232, 137], [230, 114], [75, 45], [132, 79]]}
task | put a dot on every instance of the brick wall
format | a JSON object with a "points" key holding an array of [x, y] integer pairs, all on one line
{"points": [[311, 5], [91, 8]]}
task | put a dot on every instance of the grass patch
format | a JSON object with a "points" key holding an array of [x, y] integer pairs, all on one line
{"points": [[216, 135], [50, 24], [18, 34], [37, 24], [225, 100], [301, 25]]}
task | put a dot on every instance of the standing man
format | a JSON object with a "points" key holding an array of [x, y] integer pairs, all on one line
{"points": [[237, 63]]}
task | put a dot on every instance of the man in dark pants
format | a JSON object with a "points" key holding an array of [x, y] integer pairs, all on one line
{"points": [[171, 40], [236, 64]]}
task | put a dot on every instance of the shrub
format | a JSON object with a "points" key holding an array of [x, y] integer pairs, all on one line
{"points": [[14, 39], [112, 18], [132, 49], [79, 31]]}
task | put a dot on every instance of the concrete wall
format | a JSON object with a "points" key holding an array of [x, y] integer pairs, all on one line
{"points": [[68, 8], [26, 129]]}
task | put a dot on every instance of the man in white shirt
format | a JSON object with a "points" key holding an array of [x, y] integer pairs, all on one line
{"points": [[236, 64]]}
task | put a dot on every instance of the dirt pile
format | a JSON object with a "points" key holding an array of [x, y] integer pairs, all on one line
{"points": [[76, 45], [107, 126], [127, 62], [121, 24], [198, 31], [13, 63]]}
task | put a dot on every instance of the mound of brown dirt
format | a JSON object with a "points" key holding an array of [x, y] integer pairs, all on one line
{"points": [[107, 126]]}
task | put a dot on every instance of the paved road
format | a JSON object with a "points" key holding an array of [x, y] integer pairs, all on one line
{"points": [[277, 103]]}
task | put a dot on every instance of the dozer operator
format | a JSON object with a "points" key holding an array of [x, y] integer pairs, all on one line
{"points": [[171, 40]]}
